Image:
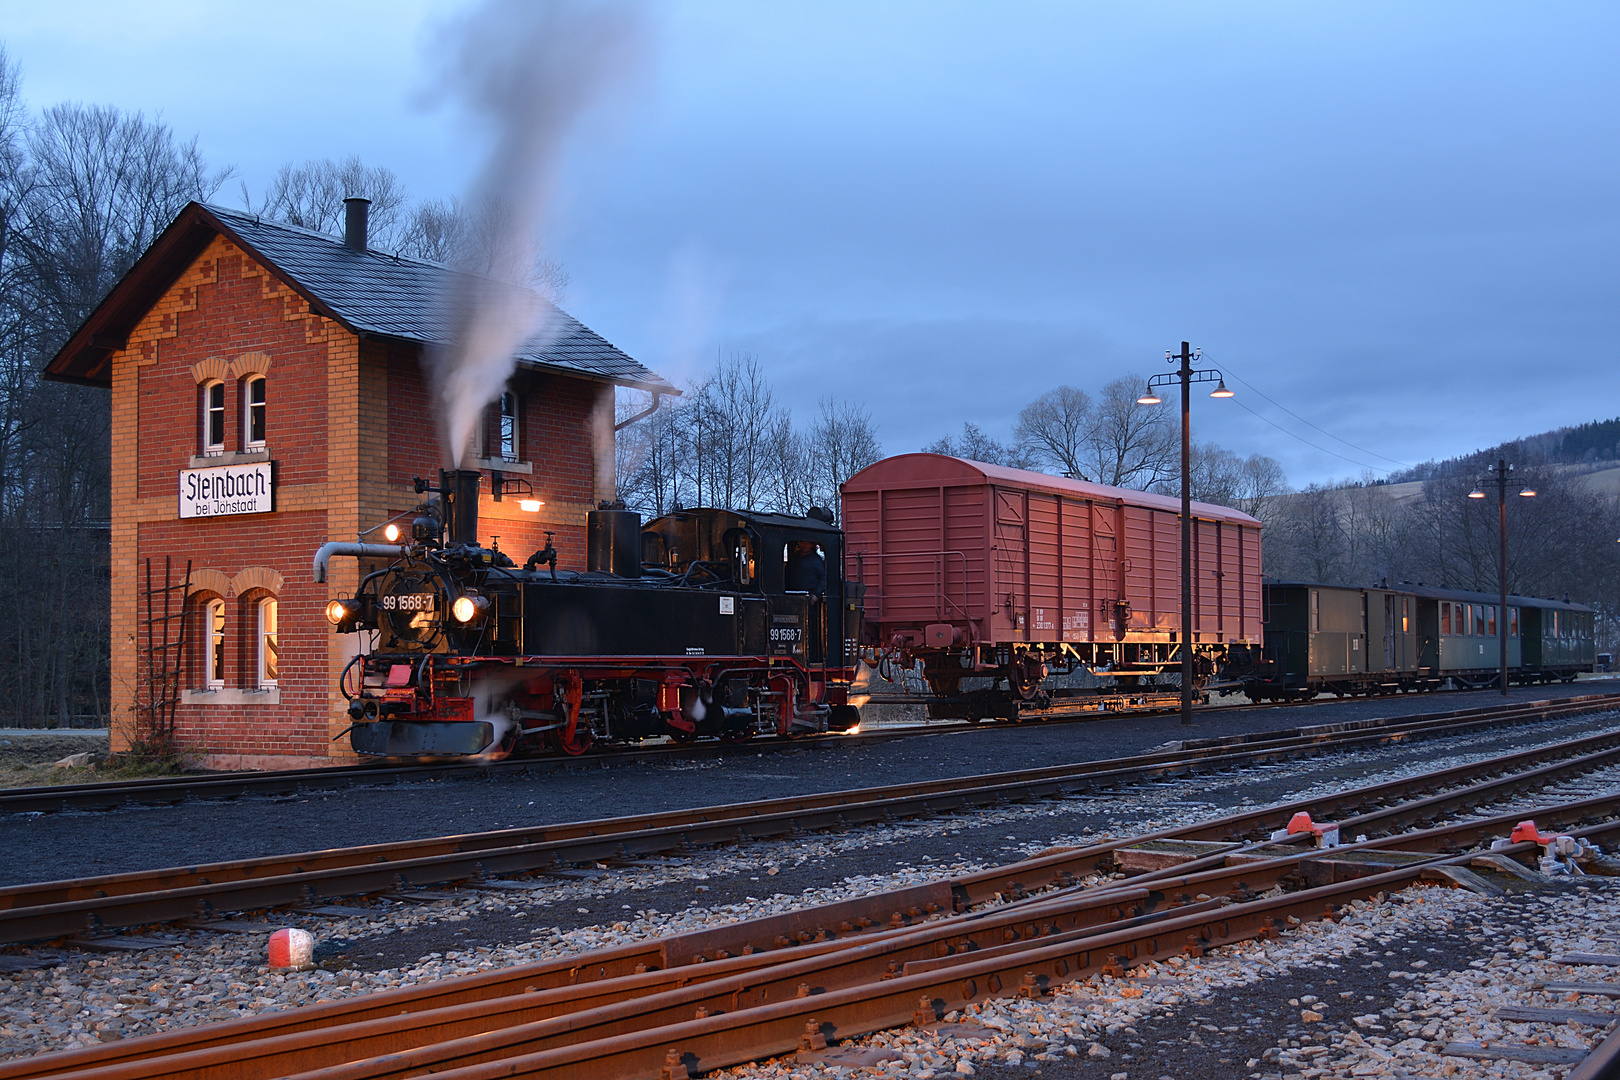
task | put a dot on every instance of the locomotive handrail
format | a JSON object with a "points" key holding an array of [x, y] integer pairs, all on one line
{"points": [[359, 551]]}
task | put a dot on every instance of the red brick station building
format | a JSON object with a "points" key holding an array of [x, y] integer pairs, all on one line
{"points": [[268, 395]]}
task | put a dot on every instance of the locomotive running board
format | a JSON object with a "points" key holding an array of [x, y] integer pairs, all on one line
{"points": [[412, 738]]}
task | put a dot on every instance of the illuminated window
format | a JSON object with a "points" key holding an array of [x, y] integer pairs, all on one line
{"points": [[253, 413], [1445, 617], [1406, 616], [509, 426], [269, 644], [213, 418], [1513, 622], [214, 660], [1490, 620]]}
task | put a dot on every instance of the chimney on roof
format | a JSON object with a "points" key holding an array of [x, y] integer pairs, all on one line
{"points": [[354, 223]]}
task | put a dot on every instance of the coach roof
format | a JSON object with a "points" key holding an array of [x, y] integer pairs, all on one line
{"points": [[370, 293]]}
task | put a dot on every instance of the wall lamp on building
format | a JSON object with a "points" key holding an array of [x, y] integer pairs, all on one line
{"points": [[500, 485]]}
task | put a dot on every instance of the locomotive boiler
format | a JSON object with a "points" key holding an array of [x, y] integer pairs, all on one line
{"points": [[698, 623]]}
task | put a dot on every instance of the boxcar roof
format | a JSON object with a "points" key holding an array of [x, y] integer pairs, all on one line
{"points": [[1431, 593], [927, 469]]}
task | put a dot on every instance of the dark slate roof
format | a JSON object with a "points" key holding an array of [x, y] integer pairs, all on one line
{"points": [[371, 293]]}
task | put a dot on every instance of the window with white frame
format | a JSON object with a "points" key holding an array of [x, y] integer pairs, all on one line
{"points": [[213, 418], [253, 413], [509, 427], [214, 643], [269, 644]]}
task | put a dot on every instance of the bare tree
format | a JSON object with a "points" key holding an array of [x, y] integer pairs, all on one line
{"points": [[84, 190], [310, 195], [1131, 445], [975, 445], [1055, 429], [842, 443]]}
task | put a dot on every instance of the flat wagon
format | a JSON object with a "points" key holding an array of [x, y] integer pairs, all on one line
{"points": [[988, 573]]}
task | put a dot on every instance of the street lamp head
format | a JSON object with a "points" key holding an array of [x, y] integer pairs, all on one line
{"points": [[1221, 390], [1149, 397], [1527, 492], [1476, 494]]}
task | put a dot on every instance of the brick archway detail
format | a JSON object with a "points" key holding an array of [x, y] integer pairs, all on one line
{"points": [[250, 363], [210, 370], [209, 581], [257, 577]]}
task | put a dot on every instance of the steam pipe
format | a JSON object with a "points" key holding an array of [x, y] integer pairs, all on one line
{"points": [[359, 551]]}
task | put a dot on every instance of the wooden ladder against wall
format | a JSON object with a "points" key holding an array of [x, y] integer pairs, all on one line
{"points": [[165, 656]]}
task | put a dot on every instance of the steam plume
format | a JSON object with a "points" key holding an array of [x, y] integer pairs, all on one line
{"points": [[527, 69]]}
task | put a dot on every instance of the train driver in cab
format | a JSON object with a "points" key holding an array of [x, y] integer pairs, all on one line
{"points": [[806, 570]]}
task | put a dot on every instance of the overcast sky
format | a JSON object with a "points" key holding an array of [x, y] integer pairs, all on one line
{"points": [[1397, 221]]}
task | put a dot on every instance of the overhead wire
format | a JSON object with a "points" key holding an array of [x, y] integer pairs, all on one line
{"points": [[1307, 423]]}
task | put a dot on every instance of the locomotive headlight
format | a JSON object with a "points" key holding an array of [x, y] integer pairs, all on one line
{"points": [[469, 608], [391, 532], [343, 613]]}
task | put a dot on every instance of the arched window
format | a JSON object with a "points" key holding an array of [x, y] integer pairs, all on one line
{"points": [[269, 644], [253, 413], [214, 645], [213, 418]]}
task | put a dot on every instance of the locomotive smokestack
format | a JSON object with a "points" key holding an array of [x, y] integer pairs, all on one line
{"points": [[355, 215], [461, 492]]}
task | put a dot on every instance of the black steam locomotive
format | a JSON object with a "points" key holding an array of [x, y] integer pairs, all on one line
{"points": [[700, 623]]}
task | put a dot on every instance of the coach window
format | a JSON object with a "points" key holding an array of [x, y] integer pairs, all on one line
{"points": [[1490, 621], [253, 413], [213, 418], [1316, 610], [269, 644], [1445, 616], [1513, 622], [1406, 616]]}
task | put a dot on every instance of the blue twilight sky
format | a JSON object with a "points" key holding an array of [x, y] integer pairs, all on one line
{"points": [[1397, 220]]}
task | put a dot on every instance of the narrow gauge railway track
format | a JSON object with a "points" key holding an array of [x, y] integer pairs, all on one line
{"points": [[61, 909], [179, 789], [718, 997]]}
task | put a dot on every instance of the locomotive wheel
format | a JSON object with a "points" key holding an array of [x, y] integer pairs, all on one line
{"points": [[684, 738], [736, 736], [576, 746]]}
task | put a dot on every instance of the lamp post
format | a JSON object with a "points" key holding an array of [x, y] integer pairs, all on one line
{"points": [[1186, 375], [1498, 474]]}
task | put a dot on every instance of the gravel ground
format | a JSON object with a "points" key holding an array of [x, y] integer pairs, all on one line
{"points": [[1383, 992], [82, 844], [202, 977]]}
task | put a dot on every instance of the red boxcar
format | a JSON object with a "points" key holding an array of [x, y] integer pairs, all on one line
{"points": [[979, 569]]}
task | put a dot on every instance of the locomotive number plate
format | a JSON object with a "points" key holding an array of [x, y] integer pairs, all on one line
{"points": [[407, 601]]}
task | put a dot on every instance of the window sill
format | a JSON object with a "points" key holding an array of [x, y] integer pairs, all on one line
{"points": [[502, 465], [270, 695], [232, 457]]}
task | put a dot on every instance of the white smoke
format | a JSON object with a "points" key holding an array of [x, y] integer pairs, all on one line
{"points": [[527, 70]]}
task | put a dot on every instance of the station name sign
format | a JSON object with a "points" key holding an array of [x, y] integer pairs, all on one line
{"points": [[227, 489]]}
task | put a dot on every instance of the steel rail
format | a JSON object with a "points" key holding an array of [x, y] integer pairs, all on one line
{"points": [[515, 1034], [1218, 753], [567, 976], [171, 790], [56, 909]]}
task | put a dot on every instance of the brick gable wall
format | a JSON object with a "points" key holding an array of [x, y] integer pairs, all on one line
{"points": [[349, 425]]}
